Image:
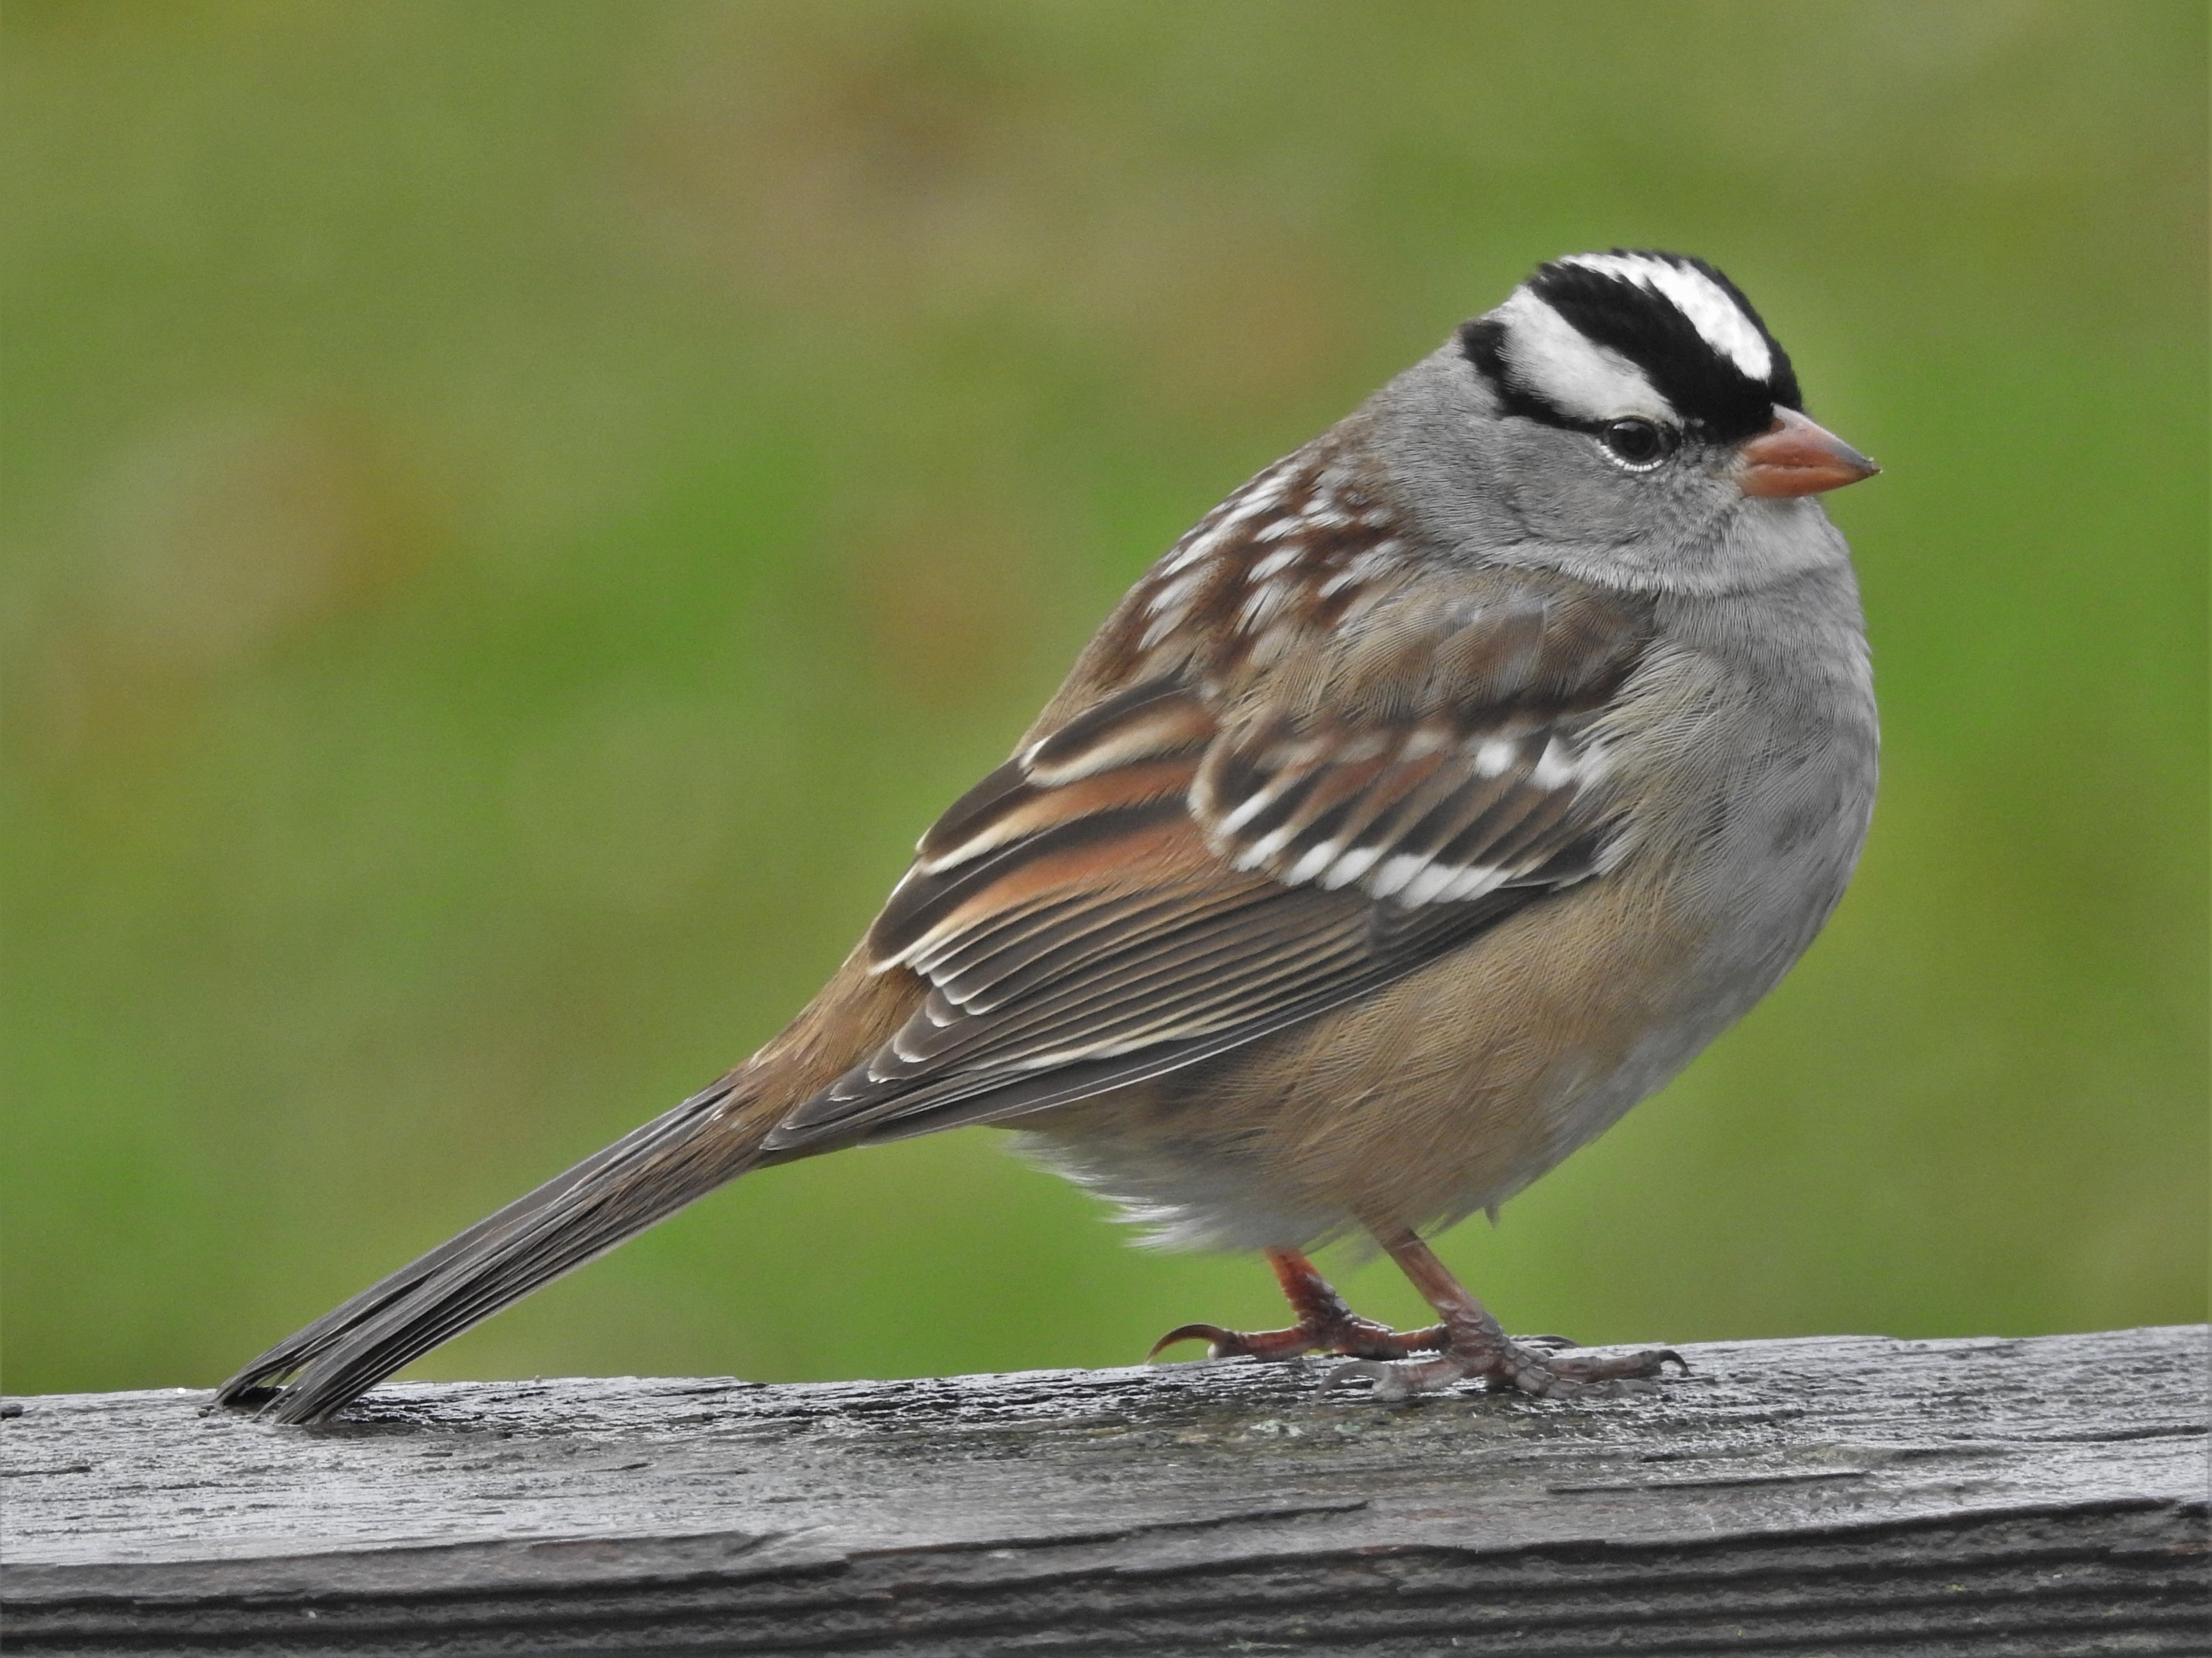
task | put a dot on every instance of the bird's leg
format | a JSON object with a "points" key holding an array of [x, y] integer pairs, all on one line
{"points": [[1325, 1324], [1476, 1345]]}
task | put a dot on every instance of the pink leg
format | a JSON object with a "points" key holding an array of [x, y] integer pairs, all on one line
{"points": [[1476, 1345]]}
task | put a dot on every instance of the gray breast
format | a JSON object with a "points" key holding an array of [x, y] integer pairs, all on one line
{"points": [[1790, 769]]}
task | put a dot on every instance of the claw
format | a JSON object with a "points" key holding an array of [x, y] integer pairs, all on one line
{"points": [[1212, 1335], [1246, 1344]]}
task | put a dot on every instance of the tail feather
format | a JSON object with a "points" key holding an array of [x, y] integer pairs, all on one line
{"points": [[642, 1178]]}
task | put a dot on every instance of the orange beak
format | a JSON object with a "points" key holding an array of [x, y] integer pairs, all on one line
{"points": [[1794, 457]]}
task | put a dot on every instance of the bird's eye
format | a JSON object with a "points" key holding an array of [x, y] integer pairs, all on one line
{"points": [[1638, 445]]}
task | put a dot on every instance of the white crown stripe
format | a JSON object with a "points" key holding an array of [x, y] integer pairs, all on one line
{"points": [[1579, 377], [1708, 305]]}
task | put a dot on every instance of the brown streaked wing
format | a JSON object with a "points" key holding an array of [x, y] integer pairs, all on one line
{"points": [[1142, 887], [1503, 783]]}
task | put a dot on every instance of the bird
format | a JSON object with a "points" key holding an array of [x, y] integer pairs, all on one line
{"points": [[1437, 798]]}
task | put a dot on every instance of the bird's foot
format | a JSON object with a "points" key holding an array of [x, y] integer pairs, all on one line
{"points": [[1475, 1344], [1326, 1325], [1536, 1365], [1469, 1343], [1356, 1338]]}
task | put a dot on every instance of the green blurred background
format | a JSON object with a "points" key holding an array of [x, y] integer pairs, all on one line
{"points": [[519, 513]]}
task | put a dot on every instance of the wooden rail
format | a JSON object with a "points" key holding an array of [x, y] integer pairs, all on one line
{"points": [[1844, 1495]]}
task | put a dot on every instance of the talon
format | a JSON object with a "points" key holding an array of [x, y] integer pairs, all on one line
{"points": [[1212, 1334], [1242, 1344]]}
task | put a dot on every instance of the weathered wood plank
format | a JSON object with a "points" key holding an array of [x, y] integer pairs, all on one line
{"points": [[2041, 1496]]}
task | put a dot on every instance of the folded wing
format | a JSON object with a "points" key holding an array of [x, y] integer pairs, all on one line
{"points": [[1172, 872]]}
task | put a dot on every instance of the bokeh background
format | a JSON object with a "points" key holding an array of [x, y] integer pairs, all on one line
{"points": [[519, 512]]}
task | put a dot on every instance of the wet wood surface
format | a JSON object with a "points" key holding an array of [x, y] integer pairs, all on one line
{"points": [[1845, 1494]]}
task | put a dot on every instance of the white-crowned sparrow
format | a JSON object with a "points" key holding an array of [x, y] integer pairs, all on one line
{"points": [[1435, 800]]}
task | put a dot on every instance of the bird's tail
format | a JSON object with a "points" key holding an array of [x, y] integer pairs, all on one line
{"points": [[644, 1177]]}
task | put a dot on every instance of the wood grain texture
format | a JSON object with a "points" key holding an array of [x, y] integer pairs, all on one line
{"points": [[1847, 1494]]}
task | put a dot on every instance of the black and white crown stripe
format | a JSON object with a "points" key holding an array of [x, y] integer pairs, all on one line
{"points": [[1597, 337], [1718, 313]]}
